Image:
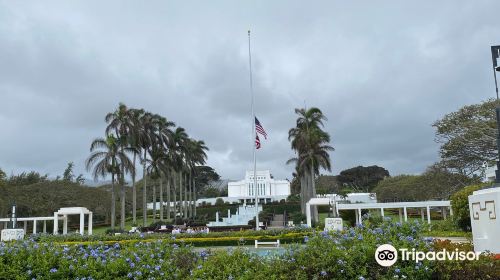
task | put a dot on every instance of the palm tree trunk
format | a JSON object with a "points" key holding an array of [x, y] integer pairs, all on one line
{"points": [[144, 192], [161, 198], [113, 206], [154, 201], [303, 189], [190, 194], [194, 197], [134, 196], [185, 197], [181, 202], [175, 195], [168, 198], [122, 201], [314, 209]]}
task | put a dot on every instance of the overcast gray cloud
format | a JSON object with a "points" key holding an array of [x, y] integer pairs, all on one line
{"points": [[381, 71]]}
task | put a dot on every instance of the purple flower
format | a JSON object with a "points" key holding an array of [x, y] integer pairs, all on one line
{"points": [[53, 270], [323, 273]]}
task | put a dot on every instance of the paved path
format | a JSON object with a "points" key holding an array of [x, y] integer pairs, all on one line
{"points": [[453, 239]]}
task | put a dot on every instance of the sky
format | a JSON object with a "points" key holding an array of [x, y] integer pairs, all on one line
{"points": [[381, 71]]}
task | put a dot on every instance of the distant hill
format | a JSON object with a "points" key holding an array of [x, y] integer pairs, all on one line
{"points": [[44, 198]]}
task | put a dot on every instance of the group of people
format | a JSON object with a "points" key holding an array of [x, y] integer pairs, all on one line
{"points": [[177, 230]]}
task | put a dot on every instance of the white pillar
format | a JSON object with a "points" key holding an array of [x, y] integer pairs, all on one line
{"points": [[6, 225], [337, 209], [400, 215], [56, 225], [382, 211], [406, 214], [34, 226], [217, 216], [451, 211], [229, 213], [357, 216], [25, 227], [65, 224], [82, 223], [360, 218], [308, 214], [89, 232], [44, 226], [422, 214], [443, 210], [428, 215]]}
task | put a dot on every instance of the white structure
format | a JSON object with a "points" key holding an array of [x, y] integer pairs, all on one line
{"points": [[484, 206], [12, 234], [489, 174], [65, 211], [268, 189], [241, 218], [352, 197], [33, 220], [334, 224], [401, 206]]}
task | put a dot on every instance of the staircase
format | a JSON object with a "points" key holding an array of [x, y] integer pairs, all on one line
{"points": [[278, 222]]}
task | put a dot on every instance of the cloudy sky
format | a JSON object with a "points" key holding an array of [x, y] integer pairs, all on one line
{"points": [[381, 71]]}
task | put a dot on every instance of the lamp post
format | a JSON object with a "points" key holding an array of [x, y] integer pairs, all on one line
{"points": [[13, 216], [495, 55]]}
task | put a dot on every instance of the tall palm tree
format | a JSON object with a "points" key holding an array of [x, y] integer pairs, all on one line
{"points": [[145, 141], [109, 160], [121, 123], [310, 143], [164, 130], [196, 154], [178, 150], [136, 115]]}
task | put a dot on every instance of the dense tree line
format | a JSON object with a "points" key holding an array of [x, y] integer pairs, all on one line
{"points": [[167, 154]]}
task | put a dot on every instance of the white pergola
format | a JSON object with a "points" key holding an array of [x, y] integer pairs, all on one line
{"points": [[65, 211], [401, 206], [34, 220]]}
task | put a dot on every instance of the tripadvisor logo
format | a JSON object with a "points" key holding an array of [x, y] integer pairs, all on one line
{"points": [[387, 255]]}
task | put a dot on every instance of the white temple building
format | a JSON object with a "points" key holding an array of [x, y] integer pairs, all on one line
{"points": [[268, 189]]}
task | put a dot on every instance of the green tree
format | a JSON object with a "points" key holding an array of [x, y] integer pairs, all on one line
{"points": [[468, 137], [68, 173], [107, 158], [312, 148], [362, 179]]}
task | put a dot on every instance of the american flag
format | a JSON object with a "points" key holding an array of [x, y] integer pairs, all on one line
{"points": [[259, 128], [257, 142]]}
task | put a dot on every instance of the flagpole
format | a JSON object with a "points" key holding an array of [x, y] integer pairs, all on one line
{"points": [[254, 136]]}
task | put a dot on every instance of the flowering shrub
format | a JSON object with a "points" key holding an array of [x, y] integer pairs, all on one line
{"points": [[336, 255]]}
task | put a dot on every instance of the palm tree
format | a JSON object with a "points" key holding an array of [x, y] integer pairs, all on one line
{"points": [[164, 138], [121, 123], [136, 115], [145, 140], [178, 150], [110, 160], [310, 143], [195, 155]]}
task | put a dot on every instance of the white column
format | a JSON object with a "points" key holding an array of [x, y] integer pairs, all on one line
{"points": [[56, 225], [382, 211], [428, 215], [406, 214], [422, 214], [90, 224], [451, 211], [25, 227], [308, 214], [65, 224], [400, 215], [34, 226], [44, 226], [217, 216], [357, 216], [360, 218], [6, 225], [82, 223], [443, 210], [229, 213]]}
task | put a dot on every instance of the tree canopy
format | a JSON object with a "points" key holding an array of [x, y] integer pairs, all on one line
{"points": [[362, 178], [468, 138]]}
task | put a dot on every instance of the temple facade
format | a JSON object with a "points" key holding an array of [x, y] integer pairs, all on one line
{"points": [[267, 188]]}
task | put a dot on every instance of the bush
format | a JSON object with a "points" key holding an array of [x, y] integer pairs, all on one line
{"points": [[460, 206], [219, 202]]}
